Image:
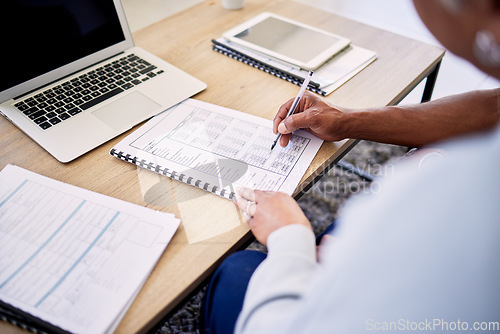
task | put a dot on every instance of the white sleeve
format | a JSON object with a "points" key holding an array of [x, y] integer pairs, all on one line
{"points": [[418, 252], [279, 282]]}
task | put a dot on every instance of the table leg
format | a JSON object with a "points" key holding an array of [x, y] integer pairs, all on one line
{"points": [[430, 83]]}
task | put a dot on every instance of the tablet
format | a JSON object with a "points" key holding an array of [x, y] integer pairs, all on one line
{"points": [[287, 40]]}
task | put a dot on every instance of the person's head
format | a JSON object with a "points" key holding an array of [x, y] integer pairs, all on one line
{"points": [[468, 28]]}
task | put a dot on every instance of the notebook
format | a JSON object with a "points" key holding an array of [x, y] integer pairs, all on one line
{"points": [[218, 149], [334, 73], [72, 78], [72, 260]]}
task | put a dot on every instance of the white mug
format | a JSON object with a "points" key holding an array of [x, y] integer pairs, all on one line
{"points": [[233, 4]]}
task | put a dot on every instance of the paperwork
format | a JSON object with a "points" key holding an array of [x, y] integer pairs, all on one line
{"points": [[71, 257], [217, 149], [330, 76]]}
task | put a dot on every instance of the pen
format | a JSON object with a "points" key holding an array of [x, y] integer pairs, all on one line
{"points": [[295, 103]]}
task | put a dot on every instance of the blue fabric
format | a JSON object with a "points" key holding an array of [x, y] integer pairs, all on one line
{"points": [[223, 300], [328, 230]]}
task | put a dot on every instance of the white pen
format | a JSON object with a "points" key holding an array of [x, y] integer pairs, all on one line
{"points": [[295, 103]]}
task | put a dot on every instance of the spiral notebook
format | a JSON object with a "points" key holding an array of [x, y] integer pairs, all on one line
{"points": [[327, 78], [218, 149]]}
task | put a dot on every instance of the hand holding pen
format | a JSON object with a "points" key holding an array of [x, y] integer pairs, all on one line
{"points": [[295, 103]]}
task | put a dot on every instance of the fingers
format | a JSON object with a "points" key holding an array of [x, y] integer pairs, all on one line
{"points": [[282, 112], [246, 206], [294, 122], [307, 100], [285, 139], [290, 124], [246, 201], [246, 193]]}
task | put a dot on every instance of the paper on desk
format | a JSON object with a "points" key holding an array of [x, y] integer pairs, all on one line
{"points": [[219, 147], [71, 257], [330, 76], [343, 66]]}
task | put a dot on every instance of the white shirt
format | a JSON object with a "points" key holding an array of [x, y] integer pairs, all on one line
{"points": [[422, 255]]}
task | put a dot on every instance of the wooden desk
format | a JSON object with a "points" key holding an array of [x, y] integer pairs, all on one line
{"points": [[184, 40]]}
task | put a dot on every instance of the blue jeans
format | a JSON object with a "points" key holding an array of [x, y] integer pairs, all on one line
{"points": [[223, 300]]}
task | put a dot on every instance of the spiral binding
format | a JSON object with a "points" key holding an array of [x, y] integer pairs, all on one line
{"points": [[26, 321], [173, 174], [21, 325], [264, 67]]}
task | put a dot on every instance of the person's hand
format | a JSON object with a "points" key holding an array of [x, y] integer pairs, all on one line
{"points": [[269, 211], [313, 114]]}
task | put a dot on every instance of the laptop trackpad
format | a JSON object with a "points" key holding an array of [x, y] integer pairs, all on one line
{"points": [[127, 111]]}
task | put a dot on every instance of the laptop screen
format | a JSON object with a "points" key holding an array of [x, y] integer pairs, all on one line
{"points": [[41, 35]]}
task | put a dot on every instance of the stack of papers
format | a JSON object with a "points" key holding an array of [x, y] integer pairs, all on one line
{"points": [[71, 259], [327, 78]]}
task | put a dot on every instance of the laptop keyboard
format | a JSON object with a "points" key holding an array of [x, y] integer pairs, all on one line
{"points": [[70, 98]]}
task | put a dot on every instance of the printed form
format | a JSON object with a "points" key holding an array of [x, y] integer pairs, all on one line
{"points": [[221, 147], [71, 257]]}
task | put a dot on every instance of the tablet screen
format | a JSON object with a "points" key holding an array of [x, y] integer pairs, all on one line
{"points": [[288, 39]]}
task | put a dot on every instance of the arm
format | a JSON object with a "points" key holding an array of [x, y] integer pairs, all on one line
{"points": [[415, 125], [276, 287]]}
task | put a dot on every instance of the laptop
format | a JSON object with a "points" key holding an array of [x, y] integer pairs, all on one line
{"points": [[72, 78]]}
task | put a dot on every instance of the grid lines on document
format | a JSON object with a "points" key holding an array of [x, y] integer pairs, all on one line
{"points": [[47, 235], [289, 155], [231, 138]]}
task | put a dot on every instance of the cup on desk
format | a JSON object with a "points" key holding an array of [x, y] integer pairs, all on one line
{"points": [[233, 4]]}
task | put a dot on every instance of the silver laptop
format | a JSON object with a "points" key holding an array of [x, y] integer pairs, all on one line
{"points": [[72, 78]]}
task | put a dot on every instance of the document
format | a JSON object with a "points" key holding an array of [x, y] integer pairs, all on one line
{"points": [[218, 149], [330, 76], [71, 257]]}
